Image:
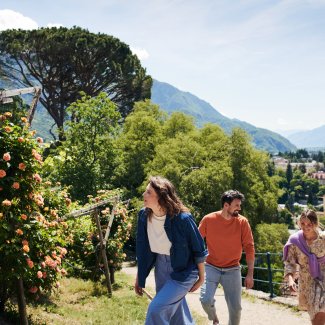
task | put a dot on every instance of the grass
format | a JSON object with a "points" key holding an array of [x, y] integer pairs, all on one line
{"points": [[87, 303]]}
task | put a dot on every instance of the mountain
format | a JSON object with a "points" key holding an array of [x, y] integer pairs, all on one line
{"points": [[309, 139], [171, 99]]}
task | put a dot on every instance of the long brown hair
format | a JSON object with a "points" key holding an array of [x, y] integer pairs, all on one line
{"points": [[167, 197]]}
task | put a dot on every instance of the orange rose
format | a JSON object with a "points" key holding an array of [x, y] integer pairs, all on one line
{"points": [[26, 248], [22, 166], [2, 173], [15, 185], [6, 156], [30, 263], [23, 216], [19, 232]]}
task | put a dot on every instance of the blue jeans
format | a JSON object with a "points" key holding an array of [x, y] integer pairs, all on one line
{"points": [[169, 305], [230, 279]]}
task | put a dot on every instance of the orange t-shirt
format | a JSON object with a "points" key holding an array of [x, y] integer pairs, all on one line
{"points": [[226, 239]]}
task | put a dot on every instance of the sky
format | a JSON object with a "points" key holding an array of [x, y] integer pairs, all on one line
{"points": [[258, 61]]}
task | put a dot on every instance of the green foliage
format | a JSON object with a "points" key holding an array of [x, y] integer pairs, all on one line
{"points": [[66, 61], [250, 176], [84, 250], [136, 146], [32, 235], [17, 108], [86, 160], [270, 237]]}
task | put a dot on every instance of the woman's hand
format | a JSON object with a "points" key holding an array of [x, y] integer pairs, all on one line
{"points": [[138, 290], [197, 284], [291, 283]]}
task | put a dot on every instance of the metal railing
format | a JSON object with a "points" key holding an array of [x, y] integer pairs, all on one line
{"points": [[268, 270]]}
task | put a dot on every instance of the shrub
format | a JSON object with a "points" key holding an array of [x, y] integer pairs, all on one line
{"points": [[32, 235]]}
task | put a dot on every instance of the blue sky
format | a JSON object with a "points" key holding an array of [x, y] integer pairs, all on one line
{"points": [[259, 61]]}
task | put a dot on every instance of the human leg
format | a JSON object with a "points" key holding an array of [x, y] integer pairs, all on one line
{"points": [[208, 290], [169, 305], [232, 283]]}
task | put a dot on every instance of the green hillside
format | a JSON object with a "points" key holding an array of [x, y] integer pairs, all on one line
{"points": [[172, 99]]}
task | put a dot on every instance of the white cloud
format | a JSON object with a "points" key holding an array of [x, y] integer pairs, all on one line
{"points": [[142, 54], [51, 25], [10, 19]]}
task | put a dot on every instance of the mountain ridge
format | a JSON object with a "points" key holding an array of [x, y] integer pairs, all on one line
{"points": [[171, 99], [309, 138]]}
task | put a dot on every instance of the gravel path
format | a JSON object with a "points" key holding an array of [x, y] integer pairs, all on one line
{"points": [[256, 311]]}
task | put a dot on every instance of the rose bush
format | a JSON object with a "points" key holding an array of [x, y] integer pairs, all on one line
{"points": [[84, 248], [32, 235]]}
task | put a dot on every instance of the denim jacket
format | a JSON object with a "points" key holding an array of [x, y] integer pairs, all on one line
{"points": [[187, 249]]}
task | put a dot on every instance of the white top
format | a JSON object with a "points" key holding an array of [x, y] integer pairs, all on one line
{"points": [[158, 240]]}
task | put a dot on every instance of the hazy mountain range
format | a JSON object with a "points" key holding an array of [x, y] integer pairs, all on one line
{"points": [[309, 139], [172, 99]]}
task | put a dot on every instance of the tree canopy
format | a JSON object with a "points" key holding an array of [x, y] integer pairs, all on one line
{"points": [[66, 61]]}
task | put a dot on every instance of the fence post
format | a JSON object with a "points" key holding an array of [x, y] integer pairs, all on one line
{"points": [[103, 252], [269, 269]]}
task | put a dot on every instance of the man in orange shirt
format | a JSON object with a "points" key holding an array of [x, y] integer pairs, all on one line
{"points": [[227, 234]]}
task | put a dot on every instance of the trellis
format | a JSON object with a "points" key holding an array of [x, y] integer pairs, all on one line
{"points": [[5, 97], [93, 210]]}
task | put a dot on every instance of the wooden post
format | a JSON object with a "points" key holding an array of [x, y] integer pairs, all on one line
{"points": [[103, 252], [22, 303]]}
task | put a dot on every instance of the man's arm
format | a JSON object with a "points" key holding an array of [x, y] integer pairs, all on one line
{"points": [[249, 280]]}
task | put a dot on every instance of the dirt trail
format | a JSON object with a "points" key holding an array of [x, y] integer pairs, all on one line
{"points": [[256, 311]]}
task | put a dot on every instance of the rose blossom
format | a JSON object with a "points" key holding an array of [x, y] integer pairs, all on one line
{"points": [[37, 178], [24, 242], [30, 263], [6, 156], [8, 129], [26, 248], [6, 203], [19, 232], [33, 289], [23, 216], [2, 173], [22, 166], [39, 274], [15, 185]]}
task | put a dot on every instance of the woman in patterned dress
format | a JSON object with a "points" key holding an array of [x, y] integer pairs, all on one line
{"points": [[305, 251]]}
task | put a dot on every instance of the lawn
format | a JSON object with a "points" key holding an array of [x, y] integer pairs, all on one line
{"points": [[84, 302]]}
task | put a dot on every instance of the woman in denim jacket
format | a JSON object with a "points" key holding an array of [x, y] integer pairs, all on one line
{"points": [[168, 238]]}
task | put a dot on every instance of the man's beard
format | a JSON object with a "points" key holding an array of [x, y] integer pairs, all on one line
{"points": [[235, 213]]}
